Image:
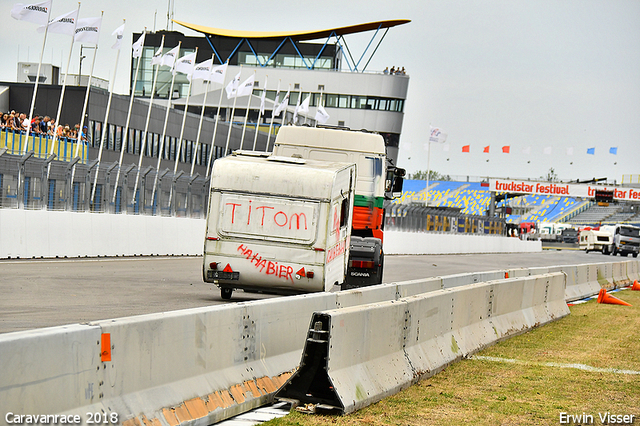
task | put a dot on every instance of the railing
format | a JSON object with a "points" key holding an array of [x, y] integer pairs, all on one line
{"points": [[28, 181], [16, 143]]}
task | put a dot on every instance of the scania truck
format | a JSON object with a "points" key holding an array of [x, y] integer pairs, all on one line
{"points": [[377, 180], [278, 224]]}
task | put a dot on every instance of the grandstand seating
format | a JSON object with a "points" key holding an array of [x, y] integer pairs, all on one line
{"points": [[596, 214], [473, 198]]}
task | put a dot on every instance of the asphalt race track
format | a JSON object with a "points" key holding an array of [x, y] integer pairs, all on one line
{"points": [[44, 293]]}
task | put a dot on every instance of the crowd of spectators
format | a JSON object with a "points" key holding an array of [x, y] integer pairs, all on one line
{"points": [[395, 71], [39, 125]]}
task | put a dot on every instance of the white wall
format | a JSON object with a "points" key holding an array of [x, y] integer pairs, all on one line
{"points": [[41, 233], [421, 243]]}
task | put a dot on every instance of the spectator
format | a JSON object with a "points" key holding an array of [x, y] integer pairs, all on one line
{"points": [[17, 123], [24, 122], [44, 125], [51, 127], [393, 70], [402, 72], [35, 126], [4, 121], [386, 70]]}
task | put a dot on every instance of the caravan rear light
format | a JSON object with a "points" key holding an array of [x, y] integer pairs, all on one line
{"points": [[213, 265], [362, 264], [310, 274], [318, 249], [213, 238]]}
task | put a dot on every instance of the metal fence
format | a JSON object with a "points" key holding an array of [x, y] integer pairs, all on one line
{"points": [[30, 182], [418, 218]]}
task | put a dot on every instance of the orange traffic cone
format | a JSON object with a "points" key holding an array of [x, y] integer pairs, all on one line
{"points": [[636, 285], [603, 297]]}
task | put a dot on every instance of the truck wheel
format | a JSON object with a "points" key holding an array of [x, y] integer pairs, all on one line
{"points": [[635, 254], [225, 293], [614, 251], [605, 250]]}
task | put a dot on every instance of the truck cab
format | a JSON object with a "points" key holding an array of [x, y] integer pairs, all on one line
{"points": [[377, 180], [625, 240]]}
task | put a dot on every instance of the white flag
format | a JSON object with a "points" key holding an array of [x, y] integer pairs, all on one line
{"points": [[186, 64], [304, 106], [263, 97], [169, 58], [246, 87], [202, 70], [232, 87], [297, 108], [437, 135], [88, 30], [283, 104], [63, 24], [119, 33], [218, 73], [321, 115], [138, 45], [157, 57], [36, 13]]}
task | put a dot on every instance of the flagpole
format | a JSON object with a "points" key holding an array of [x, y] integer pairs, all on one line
{"points": [[146, 126], [125, 137], [204, 104], [215, 127], [277, 101], [164, 130], [233, 110], [246, 117], [35, 87], [86, 96], [64, 84], [86, 101], [106, 122], [264, 91], [426, 201], [307, 112], [179, 147]]}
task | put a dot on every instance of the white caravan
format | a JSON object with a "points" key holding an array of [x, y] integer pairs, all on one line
{"points": [[278, 224]]}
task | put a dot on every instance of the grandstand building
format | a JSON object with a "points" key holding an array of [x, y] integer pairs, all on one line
{"points": [[36, 174]]}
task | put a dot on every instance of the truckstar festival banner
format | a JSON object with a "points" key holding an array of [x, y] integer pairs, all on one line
{"points": [[562, 189]]}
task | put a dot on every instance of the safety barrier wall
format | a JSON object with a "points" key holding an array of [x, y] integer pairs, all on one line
{"points": [[360, 355], [42, 233], [207, 363]]}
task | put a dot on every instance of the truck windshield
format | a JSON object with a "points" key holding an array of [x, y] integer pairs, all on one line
{"points": [[629, 232]]}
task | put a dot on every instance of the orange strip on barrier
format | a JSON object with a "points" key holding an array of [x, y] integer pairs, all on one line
{"points": [[105, 352]]}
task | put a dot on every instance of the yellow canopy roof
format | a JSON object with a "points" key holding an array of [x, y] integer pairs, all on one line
{"points": [[299, 35]]}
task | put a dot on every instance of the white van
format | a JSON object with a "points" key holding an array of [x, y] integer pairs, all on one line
{"points": [[278, 224]]}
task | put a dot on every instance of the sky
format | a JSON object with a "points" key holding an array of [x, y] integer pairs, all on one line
{"points": [[552, 75]]}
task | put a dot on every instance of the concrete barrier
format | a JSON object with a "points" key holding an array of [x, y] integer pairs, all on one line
{"points": [[354, 357], [207, 364], [457, 280]]}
